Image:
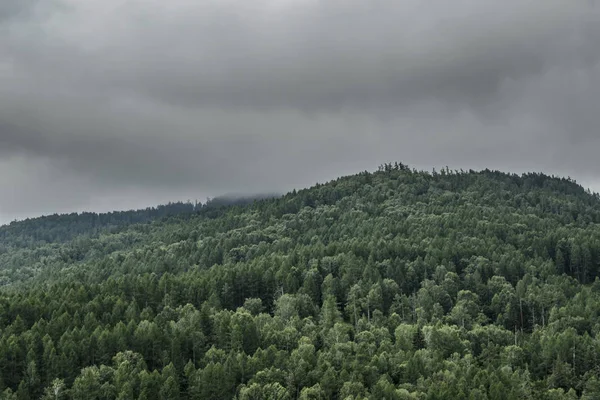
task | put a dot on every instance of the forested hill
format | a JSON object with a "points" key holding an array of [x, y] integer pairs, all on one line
{"points": [[396, 284], [62, 228], [56, 228]]}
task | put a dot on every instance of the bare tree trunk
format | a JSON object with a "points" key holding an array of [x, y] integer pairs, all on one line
{"points": [[521, 312], [543, 317]]}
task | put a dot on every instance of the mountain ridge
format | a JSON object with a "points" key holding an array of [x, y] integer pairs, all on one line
{"points": [[397, 284], [235, 197]]}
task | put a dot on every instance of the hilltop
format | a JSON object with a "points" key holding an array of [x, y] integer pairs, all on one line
{"points": [[397, 284]]}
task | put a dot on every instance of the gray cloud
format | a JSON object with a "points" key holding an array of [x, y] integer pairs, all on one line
{"points": [[10, 9], [150, 100]]}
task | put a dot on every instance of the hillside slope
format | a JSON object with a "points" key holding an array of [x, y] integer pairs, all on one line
{"points": [[396, 284]]}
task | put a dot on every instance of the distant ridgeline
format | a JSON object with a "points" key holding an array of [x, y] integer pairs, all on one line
{"points": [[62, 228], [59, 228], [395, 284]]}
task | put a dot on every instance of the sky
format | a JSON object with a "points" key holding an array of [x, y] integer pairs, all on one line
{"points": [[119, 104]]}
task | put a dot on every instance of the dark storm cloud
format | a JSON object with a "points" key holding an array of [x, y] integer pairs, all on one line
{"points": [[13, 8], [142, 100]]}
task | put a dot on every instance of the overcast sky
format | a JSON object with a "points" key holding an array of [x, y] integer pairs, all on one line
{"points": [[118, 104]]}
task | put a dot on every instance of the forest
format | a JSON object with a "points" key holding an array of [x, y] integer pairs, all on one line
{"points": [[390, 284]]}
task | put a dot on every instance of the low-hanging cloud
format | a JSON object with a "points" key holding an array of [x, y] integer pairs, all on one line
{"points": [[151, 100]]}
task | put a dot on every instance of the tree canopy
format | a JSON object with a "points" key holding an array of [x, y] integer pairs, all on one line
{"points": [[396, 284]]}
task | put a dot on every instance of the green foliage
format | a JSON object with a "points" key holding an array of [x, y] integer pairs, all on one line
{"points": [[396, 284]]}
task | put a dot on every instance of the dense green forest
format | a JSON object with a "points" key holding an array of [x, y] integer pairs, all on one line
{"points": [[396, 284]]}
